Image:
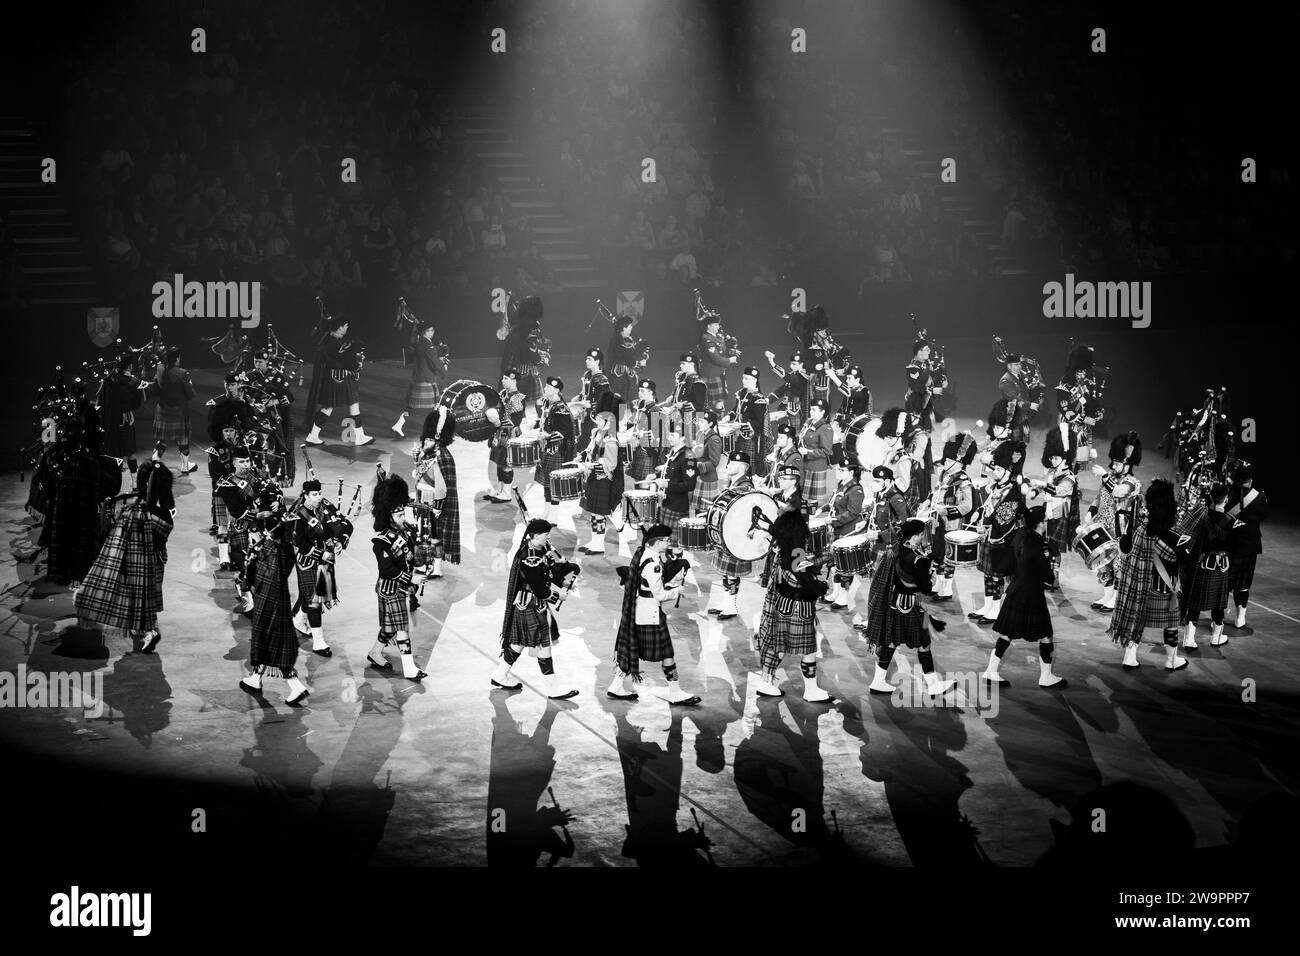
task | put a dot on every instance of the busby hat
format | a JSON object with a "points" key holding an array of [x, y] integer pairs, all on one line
{"points": [[1054, 447], [537, 526], [1080, 357], [439, 425], [1005, 413], [1035, 516], [912, 526], [961, 449], [1120, 447], [1004, 456], [530, 310], [889, 422]]}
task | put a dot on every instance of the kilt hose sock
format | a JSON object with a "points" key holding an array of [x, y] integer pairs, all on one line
{"points": [[992, 585]]}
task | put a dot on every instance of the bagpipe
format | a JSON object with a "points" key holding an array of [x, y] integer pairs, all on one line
{"points": [[337, 518], [1033, 372], [641, 346], [421, 538], [570, 571], [936, 364], [508, 317]]}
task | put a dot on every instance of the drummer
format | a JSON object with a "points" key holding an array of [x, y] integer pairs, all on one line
{"points": [[785, 455], [639, 436], [999, 517], [1062, 505], [846, 511], [678, 481], [888, 509], [789, 492], [500, 472], [1125, 455], [603, 492], [732, 569], [708, 460], [957, 491], [557, 432]]}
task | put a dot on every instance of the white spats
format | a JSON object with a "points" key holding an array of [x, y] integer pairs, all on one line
{"points": [[621, 686], [1241, 616], [297, 691], [1173, 662], [991, 672], [1108, 599], [300, 622], [1189, 636], [504, 677], [935, 685], [409, 670], [1131, 656], [812, 691], [1045, 676], [318, 639], [990, 613], [880, 682], [314, 437], [361, 438], [1216, 636], [766, 688], [400, 425]]}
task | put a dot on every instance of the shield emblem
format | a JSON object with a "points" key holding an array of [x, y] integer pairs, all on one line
{"points": [[102, 325], [631, 303]]}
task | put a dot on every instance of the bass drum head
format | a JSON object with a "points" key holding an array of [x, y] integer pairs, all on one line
{"points": [[862, 445], [469, 402], [731, 518]]}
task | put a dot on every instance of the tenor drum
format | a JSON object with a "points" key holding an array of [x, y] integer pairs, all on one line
{"points": [[567, 484], [1096, 545], [640, 505], [469, 402], [852, 554], [693, 534], [961, 549], [524, 452], [819, 535], [738, 522]]}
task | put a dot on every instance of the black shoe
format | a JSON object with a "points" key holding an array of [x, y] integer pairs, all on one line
{"points": [[941, 598], [564, 696], [1097, 606], [225, 566], [150, 643], [385, 666], [1003, 683], [975, 616], [298, 701], [250, 689], [1059, 685], [327, 652], [726, 617], [688, 702], [613, 696], [1185, 663], [518, 686], [419, 676]]}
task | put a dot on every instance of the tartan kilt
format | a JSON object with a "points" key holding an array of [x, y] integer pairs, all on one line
{"points": [[1062, 532], [422, 395], [639, 465], [171, 425], [1024, 614], [1161, 610], [394, 612], [530, 384], [309, 587], [907, 629], [1241, 571], [551, 460], [123, 588], [992, 557], [220, 513], [792, 633], [275, 642], [449, 526], [751, 447], [715, 390], [600, 496], [703, 490], [653, 642], [532, 627], [671, 518], [816, 486], [339, 394], [1209, 591], [726, 563]]}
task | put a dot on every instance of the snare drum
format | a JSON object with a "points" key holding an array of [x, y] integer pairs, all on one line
{"points": [[1096, 545], [640, 505], [961, 549], [819, 535], [567, 484], [693, 534], [852, 554], [525, 452]]}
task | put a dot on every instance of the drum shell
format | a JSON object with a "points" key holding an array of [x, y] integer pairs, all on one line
{"points": [[567, 484], [1095, 543], [646, 504], [852, 554], [693, 534], [961, 549], [524, 453], [729, 531], [469, 402], [820, 535]]}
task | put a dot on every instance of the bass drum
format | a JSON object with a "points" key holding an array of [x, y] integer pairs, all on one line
{"points": [[731, 520], [469, 402], [861, 444]]}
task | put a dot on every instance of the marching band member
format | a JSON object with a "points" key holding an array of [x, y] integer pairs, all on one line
{"points": [[171, 422], [846, 507], [123, 588], [751, 412], [902, 437], [690, 394], [641, 432], [500, 473], [895, 614], [427, 372], [795, 390], [957, 491], [1058, 459], [119, 399], [521, 349], [229, 410], [602, 495], [435, 485], [1248, 506], [536, 577], [889, 509], [1074, 399], [239, 492], [788, 622], [281, 396], [999, 517], [555, 422], [789, 495], [318, 536], [717, 359], [919, 401], [708, 461], [274, 646], [1015, 389], [1210, 530], [1125, 455], [583, 423], [1024, 614], [400, 574], [731, 568], [816, 442], [784, 455], [855, 397], [1006, 423], [595, 383], [341, 366], [643, 627], [1063, 439], [1146, 578], [627, 356], [221, 464], [678, 481]]}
